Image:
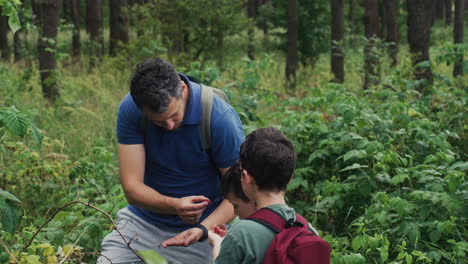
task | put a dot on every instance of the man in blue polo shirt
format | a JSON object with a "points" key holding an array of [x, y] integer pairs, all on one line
{"points": [[172, 184]]}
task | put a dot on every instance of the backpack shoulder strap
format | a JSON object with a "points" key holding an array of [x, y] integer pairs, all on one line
{"points": [[275, 222], [268, 218], [207, 107]]}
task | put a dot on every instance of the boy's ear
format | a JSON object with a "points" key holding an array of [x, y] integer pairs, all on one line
{"points": [[290, 179], [248, 177]]}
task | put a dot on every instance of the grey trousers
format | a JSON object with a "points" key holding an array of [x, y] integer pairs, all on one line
{"points": [[143, 236]]}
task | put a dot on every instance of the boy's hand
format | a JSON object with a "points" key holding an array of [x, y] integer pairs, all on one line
{"points": [[190, 208], [219, 230], [215, 239], [185, 238]]}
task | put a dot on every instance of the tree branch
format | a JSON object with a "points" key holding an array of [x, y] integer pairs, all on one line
{"points": [[8, 251], [90, 206]]}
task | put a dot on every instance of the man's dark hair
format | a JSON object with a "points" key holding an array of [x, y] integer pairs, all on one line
{"points": [[269, 156], [153, 85], [231, 183]]}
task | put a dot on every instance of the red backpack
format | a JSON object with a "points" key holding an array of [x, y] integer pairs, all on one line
{"points": [[294, 243]]}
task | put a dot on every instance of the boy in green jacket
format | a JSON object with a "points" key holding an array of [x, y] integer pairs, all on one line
{"points": [[267, 163]]}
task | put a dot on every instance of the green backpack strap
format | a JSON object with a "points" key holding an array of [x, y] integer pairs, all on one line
{"points": [[207, 94]]}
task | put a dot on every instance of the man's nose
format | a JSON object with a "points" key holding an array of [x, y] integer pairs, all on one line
{"points": [[170, 124]]}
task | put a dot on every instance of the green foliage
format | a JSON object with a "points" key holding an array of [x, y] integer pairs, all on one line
{"points": [[382, 173], [18, 123], [313, 21], [10, 211], [381, 167], [198, 36], [8, 8]]}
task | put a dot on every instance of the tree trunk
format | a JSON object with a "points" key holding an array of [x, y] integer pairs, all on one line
{"points": [[75, 17], [123, 22], [251, 14], [419, 29], [440, 9], [458, 36], [291, 59], [118, 24], [67, 11], [448, 12], [382, 18], [18, 46], [94, 22], [48, 18], [337, 27], [4, 29], [139, 16], [392, 29], [101, 31], [371, 28], [114, 25], [352, 25], [263, 24]]}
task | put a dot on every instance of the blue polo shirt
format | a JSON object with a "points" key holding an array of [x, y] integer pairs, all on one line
{"points": [[176, 163]]}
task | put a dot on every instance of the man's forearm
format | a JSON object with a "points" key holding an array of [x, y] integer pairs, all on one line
{"points": [[145, 197], [222, 215]]}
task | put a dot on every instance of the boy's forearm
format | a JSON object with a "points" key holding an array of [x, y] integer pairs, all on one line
{"points": [[216, 249]]}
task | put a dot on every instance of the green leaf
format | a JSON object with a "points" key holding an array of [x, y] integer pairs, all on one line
{"points": [[348, 116], [33, 259], [373, 147], [383, 256], [57, 236], [353, 167], [401, 255], [95, 230], [16, 122], [8, 9], [414, 235], [409, 259], [10, 211], [152, 257], [356, 244], [460, 166], [354, 259], [6, 195], [36, 134], [434, 235], [14, 22], [4, 257], [373, 243], [399, 178], [354, 154]]}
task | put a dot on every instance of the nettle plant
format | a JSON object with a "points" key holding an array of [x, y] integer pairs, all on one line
{"points": [[380, 174]]}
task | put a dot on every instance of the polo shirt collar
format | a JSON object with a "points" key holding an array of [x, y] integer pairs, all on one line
{"points": [[193, 107]]}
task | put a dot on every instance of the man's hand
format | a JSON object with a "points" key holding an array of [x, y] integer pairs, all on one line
{"points": [[190, 208], [185, 238]]}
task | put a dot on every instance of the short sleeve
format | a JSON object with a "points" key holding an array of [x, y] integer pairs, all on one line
{"points": [[230, 252], [128, 122], [227, 135]]}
